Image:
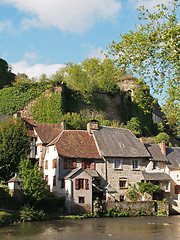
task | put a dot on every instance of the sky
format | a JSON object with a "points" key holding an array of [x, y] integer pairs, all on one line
{"points": [[40, 36]]}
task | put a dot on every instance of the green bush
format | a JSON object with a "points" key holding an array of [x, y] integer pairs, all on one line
{"points": [[30, 214], [162, 137], [5, 218]]}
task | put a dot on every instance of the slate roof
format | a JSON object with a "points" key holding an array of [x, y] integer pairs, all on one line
{"points": [[155, 152], [155, 176], [76, 144], [119, 142], [173, 155], [15, 179], [47, 131], [92, 173], [158, 111], [4, 117]]}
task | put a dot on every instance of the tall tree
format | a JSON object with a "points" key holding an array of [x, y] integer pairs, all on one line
{"points": [[14, 145], [6, 76], [152, 52]]}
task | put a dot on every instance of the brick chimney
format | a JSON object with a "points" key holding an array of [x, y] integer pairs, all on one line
{"points": [[142, 140], [92, 125], [63, 125], [163, 147]]}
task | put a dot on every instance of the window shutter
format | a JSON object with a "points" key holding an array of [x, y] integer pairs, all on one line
{"points": [[65, 163], [92, 165], [74, 164], [87, 184], [54, 163], [82, 164], [76, 183], [176, 190]]}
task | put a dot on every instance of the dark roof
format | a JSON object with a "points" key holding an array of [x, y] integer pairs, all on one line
{"points": [[173, 155], [92, 173], [155, 152], [47, 131], [157, 110], [155, 176], [4, 117], [76, 144], [15, 179], [117, 142]]}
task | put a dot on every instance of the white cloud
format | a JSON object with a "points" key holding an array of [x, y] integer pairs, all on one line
{"points": [[150, 4], [91, 51], [34, 70], [67, 15], [6, 26]]}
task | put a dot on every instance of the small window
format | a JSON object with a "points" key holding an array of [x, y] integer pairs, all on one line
{"points": [[118, 164], [156, 165], [54, 180], [135, 164], [177, 189], [81, 183], [46, 164], [121, 198], [81, 199], [54, 163], [123, 183], [69, 163], [62, 183]]}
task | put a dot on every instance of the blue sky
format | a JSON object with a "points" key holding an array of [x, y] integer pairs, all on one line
{"points": [[39, 36]]}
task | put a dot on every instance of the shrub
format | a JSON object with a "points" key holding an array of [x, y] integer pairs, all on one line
{"points": [[5, 218], [162, 136], [30, 214]]}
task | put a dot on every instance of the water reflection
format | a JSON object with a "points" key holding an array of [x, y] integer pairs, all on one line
{"points": [[142, 228]]}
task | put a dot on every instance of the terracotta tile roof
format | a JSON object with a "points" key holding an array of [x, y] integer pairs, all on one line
{"points": [[119, 142], [48, 131], [155, 152], [76, 144]]}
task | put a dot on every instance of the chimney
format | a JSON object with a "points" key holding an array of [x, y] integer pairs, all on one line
{"points": [[92, 125], [163, 147], [63, 125], [142, 140]]}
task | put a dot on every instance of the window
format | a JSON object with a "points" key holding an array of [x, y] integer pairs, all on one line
{"points": [[81, 183], [177, 189], [135, 164], [87, 164], [62, 183], [69, 163], [54, 163], [123, 183], [54, 180], [118, 164], [81, 199], [156, 165], [46, 164]]}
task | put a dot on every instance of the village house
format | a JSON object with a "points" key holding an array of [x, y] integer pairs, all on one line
{"points": [[73, 168], [173, 169]]}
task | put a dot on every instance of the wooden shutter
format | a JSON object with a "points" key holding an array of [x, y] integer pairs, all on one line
{"points": [[74, 164], [54, 180], [46, 164], [54, 163], [87, 184], [92, 165], [83, 164], [76, 183]]}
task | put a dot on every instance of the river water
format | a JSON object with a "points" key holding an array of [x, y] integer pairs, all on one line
{"points": [[137, 228]]}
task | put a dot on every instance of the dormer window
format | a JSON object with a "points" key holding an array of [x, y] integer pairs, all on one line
{"points": [[121, 145]]}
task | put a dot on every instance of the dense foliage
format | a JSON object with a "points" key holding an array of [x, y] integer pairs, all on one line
{"points": [[14, 145], [15, 98], [152, 53], [162, 137], [6, 76], [34, 186], [48, 109]]}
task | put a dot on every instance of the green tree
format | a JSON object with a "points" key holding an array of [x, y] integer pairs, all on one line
{"points": [[14, 145], [162, 137], [34, 186], [6, 76], [134, 126], [152, 53]]}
